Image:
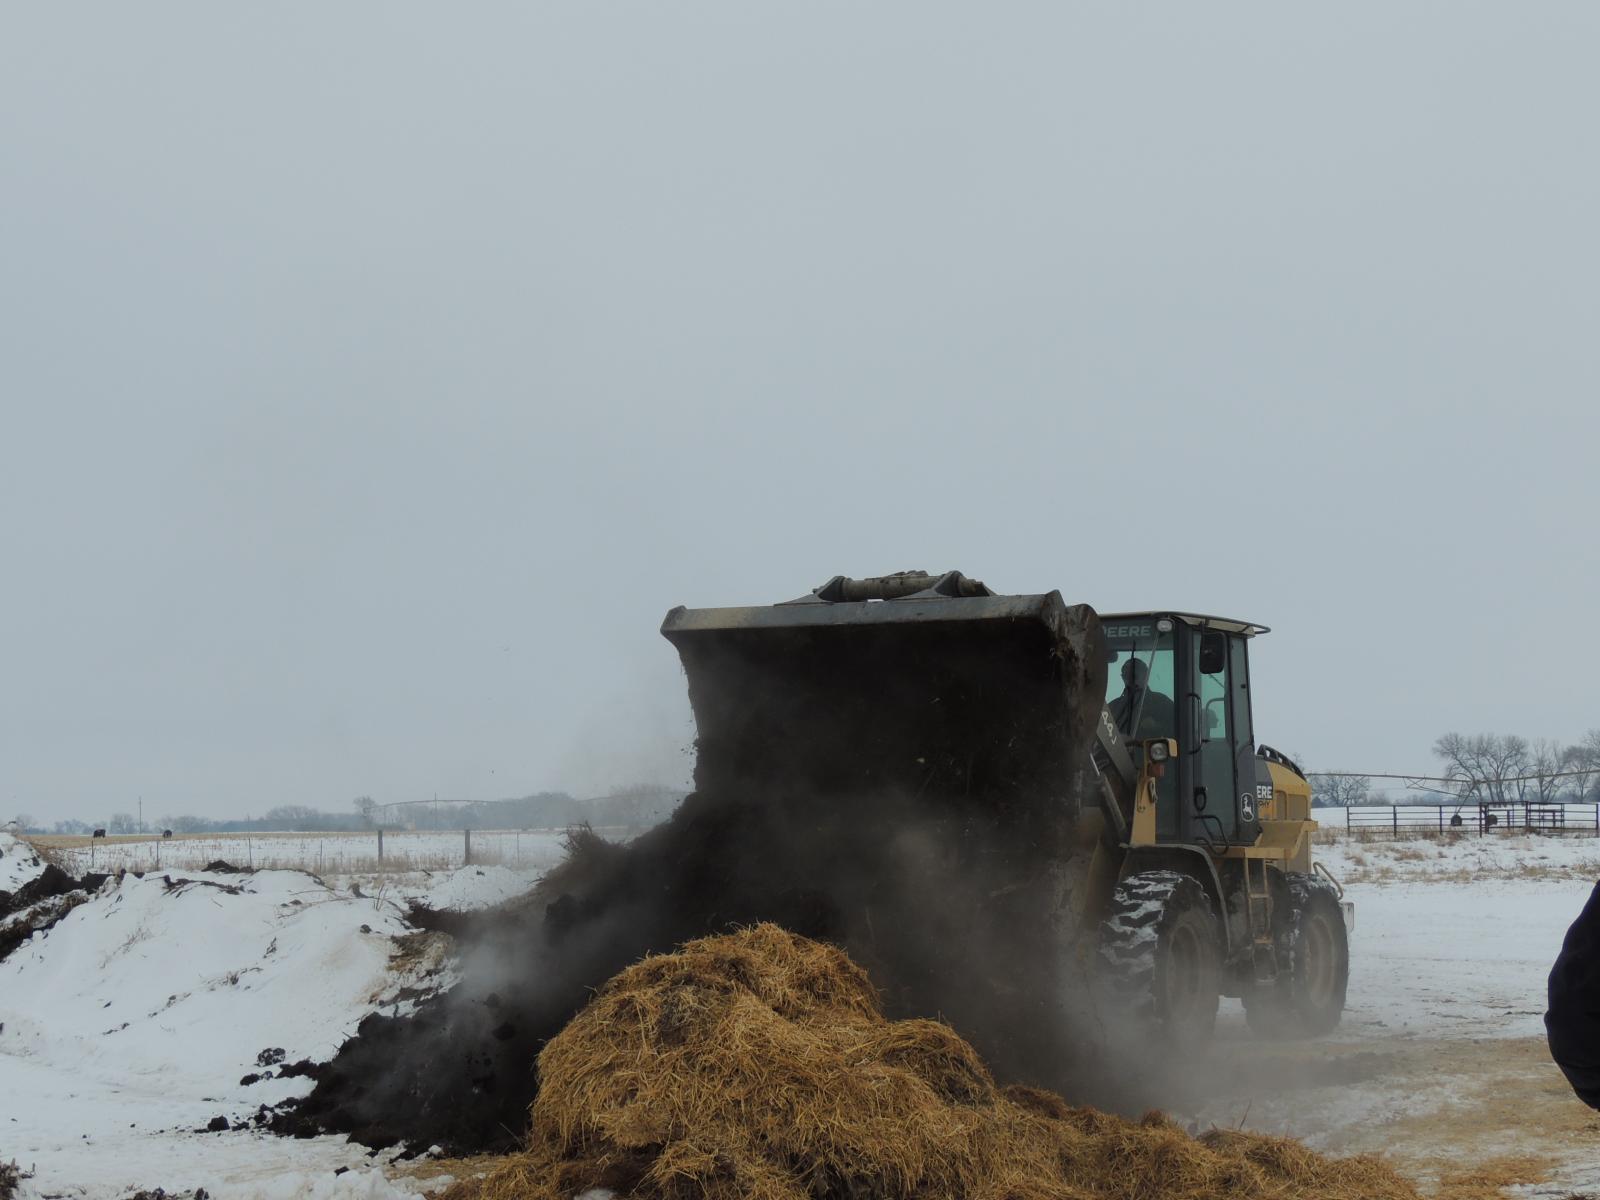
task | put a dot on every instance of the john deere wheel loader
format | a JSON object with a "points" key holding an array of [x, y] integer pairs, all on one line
{"points": [[1117, 750]]}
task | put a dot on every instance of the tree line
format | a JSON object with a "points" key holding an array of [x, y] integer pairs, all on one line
{"points": [[1486, 768], [633, 807]]}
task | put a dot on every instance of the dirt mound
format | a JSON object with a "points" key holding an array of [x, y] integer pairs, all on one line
{"points": [[52, 881], [40, 903], [760, 1065]]}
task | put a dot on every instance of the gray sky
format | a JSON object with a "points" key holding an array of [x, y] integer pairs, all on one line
{"points": [[375, 377]]}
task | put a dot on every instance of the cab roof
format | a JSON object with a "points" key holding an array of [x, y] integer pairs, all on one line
{"points": [[1198, 620]]}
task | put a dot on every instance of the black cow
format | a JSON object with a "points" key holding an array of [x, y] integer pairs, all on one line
{"points": [[99, 833], [166, 833]]}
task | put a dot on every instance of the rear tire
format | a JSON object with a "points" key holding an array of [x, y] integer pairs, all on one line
{"points": [[1161, 949], [1307, 999]]}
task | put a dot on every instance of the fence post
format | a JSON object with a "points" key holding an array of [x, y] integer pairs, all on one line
{"points": [[380, 844], [1394, 812], [1347, 825], [468, 834]]}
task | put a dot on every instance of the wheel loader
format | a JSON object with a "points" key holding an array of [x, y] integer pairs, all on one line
{"points": [[1116, 753]]}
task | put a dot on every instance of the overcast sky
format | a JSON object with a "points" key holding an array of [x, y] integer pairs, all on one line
{"points": [[376, 376]]}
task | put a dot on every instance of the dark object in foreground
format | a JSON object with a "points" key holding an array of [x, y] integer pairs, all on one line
{"points": [[1573, 1020]]}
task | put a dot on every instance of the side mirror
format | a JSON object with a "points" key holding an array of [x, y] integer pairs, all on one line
{"points": [[1213, 653]]}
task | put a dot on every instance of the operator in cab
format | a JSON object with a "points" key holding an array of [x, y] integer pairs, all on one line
{"points": [[1155, 712]]}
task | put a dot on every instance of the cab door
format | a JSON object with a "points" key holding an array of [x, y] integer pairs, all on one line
{"points": [[1246, 768], [1214, 802]]}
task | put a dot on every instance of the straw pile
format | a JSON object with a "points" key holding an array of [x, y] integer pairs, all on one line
{"points": [[758, 1065]]}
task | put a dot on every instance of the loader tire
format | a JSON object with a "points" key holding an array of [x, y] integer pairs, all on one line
{"points": [[1161, 951], [1307, 999]]}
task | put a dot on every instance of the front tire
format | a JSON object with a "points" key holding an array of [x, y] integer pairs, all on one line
{"points": [[1307, 999], [1161, 948]]}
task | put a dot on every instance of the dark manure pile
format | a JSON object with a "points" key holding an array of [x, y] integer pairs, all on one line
{"points": [[902, 801]]}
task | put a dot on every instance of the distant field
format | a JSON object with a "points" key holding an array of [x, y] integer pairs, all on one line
{"points": [[332, 852]]}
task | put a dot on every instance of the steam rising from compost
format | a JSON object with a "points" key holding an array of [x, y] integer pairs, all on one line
{"points": [[905, 799]]}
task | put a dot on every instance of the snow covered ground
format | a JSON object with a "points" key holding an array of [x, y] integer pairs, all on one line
{"points": [[131, 1025], [1466, 859], [1456, 939], [1441, 1055]]}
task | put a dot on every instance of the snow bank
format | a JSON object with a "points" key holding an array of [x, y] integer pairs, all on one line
{"points": [[19, 862], [143, 1010]]}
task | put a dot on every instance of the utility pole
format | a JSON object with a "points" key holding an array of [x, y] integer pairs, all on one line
{"points": [[141, 814]]}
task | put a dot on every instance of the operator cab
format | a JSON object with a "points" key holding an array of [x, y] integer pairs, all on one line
{"points": [[1187, 676]]}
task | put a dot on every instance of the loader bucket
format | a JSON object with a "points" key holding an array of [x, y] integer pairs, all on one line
{"points": [[969, 702]]}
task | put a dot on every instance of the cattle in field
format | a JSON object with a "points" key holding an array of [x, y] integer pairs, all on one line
{"points": [[99, 833], [166, 833]]}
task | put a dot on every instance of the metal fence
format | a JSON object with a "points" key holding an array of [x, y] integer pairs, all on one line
{"points": [[1419, 820], [378, 851]]}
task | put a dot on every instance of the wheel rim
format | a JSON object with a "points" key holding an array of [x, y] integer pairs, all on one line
{"points": [[1185, 976], [1318, 966]]}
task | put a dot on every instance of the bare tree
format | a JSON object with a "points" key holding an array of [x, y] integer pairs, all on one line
{"points": [[1584, 756], [1547, 763], [123, 823], [1485, 767], [1339, 791]]}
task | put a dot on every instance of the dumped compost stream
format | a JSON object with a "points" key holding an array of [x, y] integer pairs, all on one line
{"points": [[913, 902], [907, 804]]}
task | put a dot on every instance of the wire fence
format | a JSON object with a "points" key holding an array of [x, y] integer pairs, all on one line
{"points": [[1423, 820], [385, 850]]}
